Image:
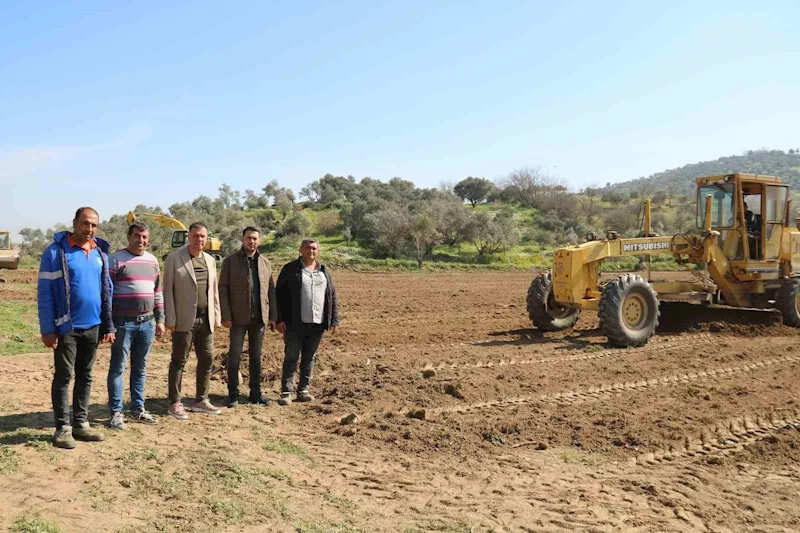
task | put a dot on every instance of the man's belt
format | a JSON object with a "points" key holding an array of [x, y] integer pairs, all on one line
{"points": [[138, 319]]}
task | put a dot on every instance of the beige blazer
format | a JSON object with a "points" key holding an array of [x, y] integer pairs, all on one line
{"points": [[180, 291]]}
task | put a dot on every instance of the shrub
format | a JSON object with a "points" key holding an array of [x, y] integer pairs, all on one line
{"points": [[328, 223]]}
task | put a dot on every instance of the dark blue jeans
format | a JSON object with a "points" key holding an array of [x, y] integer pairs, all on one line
{"points": [[301, 342], [133, 339], [74, 356]]}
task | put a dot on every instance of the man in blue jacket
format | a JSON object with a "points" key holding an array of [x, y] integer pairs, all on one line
{"points": [[74, 293]]}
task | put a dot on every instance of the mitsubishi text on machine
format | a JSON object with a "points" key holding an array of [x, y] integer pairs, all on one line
{"points": [[646, 246]]}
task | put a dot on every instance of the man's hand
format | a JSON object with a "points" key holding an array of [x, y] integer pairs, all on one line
{"points": [[50, 340], [109, 337], [281, 327], [272, 324], [334, 330], [160, 329], [171, 329], [227, 323]]}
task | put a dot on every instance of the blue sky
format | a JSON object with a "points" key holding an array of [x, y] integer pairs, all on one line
{"points": [[112, 104]]}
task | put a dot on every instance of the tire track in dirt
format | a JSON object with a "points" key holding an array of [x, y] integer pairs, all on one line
{"points": [[653, 347], [724, 438], [606, 390]]}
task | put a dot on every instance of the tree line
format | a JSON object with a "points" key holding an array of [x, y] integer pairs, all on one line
{"points": [[475, 218]]}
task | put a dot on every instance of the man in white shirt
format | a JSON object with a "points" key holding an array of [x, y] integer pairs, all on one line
{"points": [[307, 306]]}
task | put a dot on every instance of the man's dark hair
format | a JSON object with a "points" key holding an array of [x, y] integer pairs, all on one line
{"points": [[250, 228], [137, 226], [80, 211], [197, 225]]}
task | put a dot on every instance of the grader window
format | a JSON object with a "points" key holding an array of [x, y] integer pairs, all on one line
{"points": [[776, 203], [4, 244], [722, 211]]}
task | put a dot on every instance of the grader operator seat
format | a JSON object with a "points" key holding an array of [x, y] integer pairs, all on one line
{"points": [[752, 223]]}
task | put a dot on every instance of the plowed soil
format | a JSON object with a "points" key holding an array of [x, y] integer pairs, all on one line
{"points": [[468, 420]]}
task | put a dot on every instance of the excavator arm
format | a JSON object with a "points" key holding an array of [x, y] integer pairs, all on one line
{"points": [[162, 220]]}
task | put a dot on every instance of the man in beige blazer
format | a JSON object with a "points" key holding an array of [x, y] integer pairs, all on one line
{"points": [[191, 306]]}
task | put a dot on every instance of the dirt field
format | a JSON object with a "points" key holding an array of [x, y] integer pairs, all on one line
{"points": [[468, 420]]}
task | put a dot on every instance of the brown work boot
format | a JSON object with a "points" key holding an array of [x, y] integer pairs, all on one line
{"points": [[85, 432], [304, 396], [285, 399], [63, 438]]}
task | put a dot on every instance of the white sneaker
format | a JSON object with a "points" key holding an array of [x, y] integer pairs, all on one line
{"points": [[117, 421], [205, 407]]}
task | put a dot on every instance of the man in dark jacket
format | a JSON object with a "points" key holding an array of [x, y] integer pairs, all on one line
{"points": [[247, 301], [74, 296], [307, 306]]}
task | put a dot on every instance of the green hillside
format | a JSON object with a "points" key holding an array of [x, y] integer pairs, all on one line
{"points": [[785, 165]]}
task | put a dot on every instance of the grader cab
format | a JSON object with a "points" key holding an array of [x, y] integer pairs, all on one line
{"points": [[745, 254], [9, 257]]}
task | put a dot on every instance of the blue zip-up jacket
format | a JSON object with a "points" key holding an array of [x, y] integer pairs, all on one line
{"points": [[53, 288]]}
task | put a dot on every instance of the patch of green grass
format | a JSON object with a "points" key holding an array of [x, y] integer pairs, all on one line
{"points": [[282, 445], [343, 504], [45, 447], [19, 328], [100, 499], [230, 509], [31, 522], [230, 474], [162, 525], [312, 527], [141, 472], [150, 482], [28, 263], [440, 525], [9, 460], [24, 435], [280, 475]]}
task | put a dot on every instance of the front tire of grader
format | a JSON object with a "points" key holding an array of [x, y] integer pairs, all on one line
{"points": [[628, 311], [788, 301], [543, 310]]}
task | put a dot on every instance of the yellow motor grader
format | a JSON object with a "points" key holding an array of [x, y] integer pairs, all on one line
{"points": [[9, 257], [746, 254]]}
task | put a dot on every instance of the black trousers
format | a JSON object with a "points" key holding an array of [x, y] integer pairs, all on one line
{"points": [[74, 356], [300, 340], [255, 339]]}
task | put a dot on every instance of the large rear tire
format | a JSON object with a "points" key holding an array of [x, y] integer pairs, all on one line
{"points": [[628, 311], [787, 302], [543, 310]]}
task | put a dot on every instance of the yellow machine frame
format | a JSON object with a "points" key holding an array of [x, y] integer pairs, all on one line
{"points": [[725, 272], [180, 231]]}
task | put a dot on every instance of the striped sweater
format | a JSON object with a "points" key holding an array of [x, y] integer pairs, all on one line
{"points": [[137, 285]]}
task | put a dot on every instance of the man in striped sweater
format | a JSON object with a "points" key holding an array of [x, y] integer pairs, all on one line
{"points": [[138, 313]]}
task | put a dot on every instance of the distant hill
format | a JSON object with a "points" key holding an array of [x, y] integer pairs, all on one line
{"points": [[785, 165]]}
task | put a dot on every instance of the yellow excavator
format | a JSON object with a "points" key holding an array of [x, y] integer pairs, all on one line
{"points": [[746, 254], [9, 258], [180, 233]]}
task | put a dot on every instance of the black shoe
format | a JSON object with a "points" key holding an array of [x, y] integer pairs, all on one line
{"points": [[233, 401], [263, 400]]}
